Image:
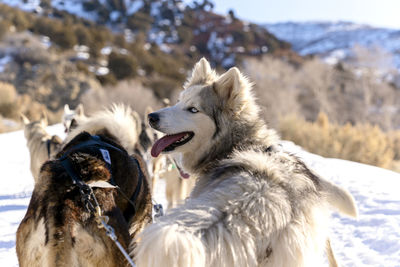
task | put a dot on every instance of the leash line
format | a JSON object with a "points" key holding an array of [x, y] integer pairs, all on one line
{"points": [[111, 234]]}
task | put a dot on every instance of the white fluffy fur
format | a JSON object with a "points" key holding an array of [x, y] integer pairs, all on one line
{"points": [[224, 222], [119, 120], [262, 209]]}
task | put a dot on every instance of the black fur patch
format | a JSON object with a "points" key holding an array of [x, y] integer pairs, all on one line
{"points": [[213, 107]]}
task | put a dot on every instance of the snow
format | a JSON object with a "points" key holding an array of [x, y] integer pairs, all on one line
{"points": [[106, 50], [102, 71], [133, 7], [45, 41], [29, 5], [115, 15], [74, 7], [326, 38], [4, 61], [372, 240]]}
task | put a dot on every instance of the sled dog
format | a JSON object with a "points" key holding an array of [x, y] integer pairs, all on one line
{"points": [[61, 227], [41, 145], [253, 204], [72, 117]]}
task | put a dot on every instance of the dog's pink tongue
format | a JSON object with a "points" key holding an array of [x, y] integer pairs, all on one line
{"points": [[162, 143], [184, 174]]}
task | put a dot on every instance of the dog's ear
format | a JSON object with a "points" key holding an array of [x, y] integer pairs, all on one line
{"points": [[200, 73], [24, 119], [67, 110], [79, 110], [233, 88], [43, 119]]}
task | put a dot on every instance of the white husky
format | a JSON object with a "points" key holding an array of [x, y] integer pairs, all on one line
{"points": [[253, 204], [73, 117]]}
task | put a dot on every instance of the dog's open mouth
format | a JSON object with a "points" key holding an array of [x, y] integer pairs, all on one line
{"points": [[170, 142]]}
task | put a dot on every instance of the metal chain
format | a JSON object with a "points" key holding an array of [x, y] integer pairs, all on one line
{"points": [[111, 234], [94, 208]]}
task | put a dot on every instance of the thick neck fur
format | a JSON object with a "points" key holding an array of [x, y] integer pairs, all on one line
{"points": [[236, 134]]}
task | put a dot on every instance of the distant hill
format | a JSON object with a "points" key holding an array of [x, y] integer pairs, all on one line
{"points": [[171, 24], [54, 51], [335, 41]]}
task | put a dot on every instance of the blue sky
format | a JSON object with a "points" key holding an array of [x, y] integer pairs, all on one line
{"points": [[381, 13]]}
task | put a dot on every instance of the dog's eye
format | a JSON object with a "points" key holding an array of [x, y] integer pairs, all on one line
{"points": [[193, 110]]}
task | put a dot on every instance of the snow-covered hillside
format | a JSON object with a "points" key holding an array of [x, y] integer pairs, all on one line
{"points": [[372, 240], [335, 40]]}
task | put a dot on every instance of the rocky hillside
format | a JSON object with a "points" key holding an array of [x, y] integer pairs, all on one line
{"points": [[170, 24], [53, 51]]}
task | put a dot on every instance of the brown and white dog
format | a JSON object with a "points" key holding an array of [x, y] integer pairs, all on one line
{"points": [[57, 229]]}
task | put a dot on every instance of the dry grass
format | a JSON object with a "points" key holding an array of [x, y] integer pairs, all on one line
{"points": [[8, 98], [346, 95], [363, 143], [131, 93]]}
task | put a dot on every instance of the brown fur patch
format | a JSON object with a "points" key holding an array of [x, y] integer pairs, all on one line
{"points": [[58, 231]]}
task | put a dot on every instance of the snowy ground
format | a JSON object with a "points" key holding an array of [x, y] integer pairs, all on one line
{"points": [[372, 240]]}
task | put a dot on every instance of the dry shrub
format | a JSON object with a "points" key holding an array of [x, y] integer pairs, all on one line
{"points": [[395, 142], [131, 93], [25, 47], [8, 97], [345, 94], [363, 143], [12, 104], [274, 88], [2, 126]]}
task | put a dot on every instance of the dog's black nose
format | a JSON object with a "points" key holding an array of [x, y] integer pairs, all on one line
{"points": [[154, 118]]}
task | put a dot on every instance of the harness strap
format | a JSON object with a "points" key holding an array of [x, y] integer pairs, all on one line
{"points": [[95, 145], [48, 145], [132, 208]]}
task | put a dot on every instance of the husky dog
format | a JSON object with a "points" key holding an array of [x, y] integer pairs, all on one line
{"points": [[72, 117], [57, 229], [253, 204], [177, 186], [41, 145]]}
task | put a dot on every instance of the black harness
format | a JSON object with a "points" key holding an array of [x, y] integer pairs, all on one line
{"points": [[48, 144], [97, 147]]}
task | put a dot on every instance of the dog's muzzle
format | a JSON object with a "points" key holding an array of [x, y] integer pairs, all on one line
{"points": [[154, 119]]}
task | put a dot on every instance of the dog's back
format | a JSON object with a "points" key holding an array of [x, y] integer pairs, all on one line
{"points": [[57, 230]]}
